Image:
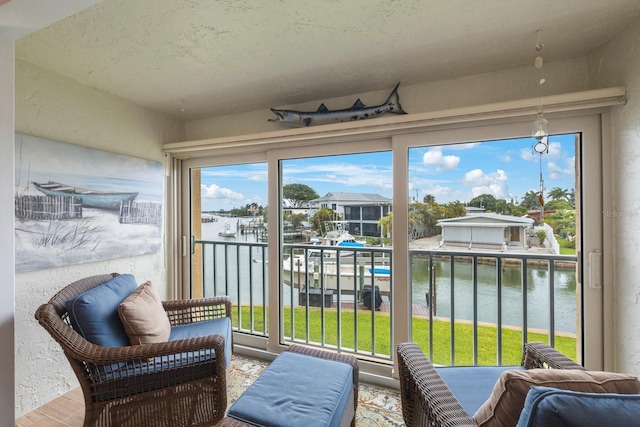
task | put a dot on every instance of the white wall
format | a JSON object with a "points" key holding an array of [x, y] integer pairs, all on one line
{"points": [[51, 106], [618, 62]]}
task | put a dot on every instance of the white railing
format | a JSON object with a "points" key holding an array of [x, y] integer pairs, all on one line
{"points": [[328, 294]]}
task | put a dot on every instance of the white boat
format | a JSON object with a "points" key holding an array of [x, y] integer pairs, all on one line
{"points": [[309, 271], [336, 234], [227, 231]]}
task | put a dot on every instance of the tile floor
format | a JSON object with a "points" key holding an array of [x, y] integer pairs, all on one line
{"points": [[376, 406]]}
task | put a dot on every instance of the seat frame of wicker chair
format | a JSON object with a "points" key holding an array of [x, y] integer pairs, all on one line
{"points": [[427, 400], [176, 383]]}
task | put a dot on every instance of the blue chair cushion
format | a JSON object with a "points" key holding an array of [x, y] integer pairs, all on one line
{"points": [[94, 313], [483, 378], [545, 406], [220, 326], [296, 390], [121, 379]]}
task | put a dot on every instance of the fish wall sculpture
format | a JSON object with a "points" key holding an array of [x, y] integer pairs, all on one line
{"points": [[322, 115]]}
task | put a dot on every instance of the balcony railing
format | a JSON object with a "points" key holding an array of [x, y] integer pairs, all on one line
{"points": [[329, 298]]}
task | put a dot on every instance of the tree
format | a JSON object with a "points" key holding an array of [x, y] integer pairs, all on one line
{"points": [[531, 201], [558, 193], [385, 224], [297, 195], [323, 214], [428, 199], [452, 210], [486, 201]]}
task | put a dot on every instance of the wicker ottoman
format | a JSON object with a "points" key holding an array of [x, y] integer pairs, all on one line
{"points": [[301, 387]]}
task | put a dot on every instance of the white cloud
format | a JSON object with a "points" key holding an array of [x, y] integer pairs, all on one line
{"points": [[529, 155], [435, 158], [494, 183], [438, 190], [214, 191], [558, 172]]}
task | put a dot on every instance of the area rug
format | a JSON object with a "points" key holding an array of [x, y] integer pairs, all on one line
{"points": [[377, 406]]}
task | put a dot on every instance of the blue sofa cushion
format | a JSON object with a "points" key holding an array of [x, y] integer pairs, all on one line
{"points": [[296, 390], [545, 406], [483, 378], [505, 404], [220, 326], [94, 313]]}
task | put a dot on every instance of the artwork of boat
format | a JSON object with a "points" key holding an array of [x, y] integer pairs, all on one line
{"points": [[227, 231], [99, 199]]}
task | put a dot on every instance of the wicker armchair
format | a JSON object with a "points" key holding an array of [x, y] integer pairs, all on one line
{"points": [[428, 401], [176, 383]]}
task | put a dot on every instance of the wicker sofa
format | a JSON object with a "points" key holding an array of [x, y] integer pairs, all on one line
{"points": [[180, 382], [548, 389], [428, 401]]}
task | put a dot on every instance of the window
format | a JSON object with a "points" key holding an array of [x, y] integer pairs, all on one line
{"points": [[364, 220]]}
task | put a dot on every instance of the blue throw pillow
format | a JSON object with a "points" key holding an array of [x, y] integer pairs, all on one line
{"points": [[545, 406], [94, 313]]}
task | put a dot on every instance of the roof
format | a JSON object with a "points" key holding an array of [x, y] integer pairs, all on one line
{"points": [[486, 220], [346, 199]]}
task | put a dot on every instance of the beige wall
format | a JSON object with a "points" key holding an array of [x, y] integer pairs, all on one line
{"points": [[498, 86], [618, 62], [51, 106]]}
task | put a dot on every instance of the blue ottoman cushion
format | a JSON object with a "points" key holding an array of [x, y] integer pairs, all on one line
{"points": [[297, 390]]}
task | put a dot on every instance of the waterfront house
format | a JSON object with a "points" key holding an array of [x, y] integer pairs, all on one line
{"points": [[486, 230], [138, 78]]}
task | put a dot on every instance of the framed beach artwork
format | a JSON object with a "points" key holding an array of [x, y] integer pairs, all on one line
{"points": [[76, 205]]}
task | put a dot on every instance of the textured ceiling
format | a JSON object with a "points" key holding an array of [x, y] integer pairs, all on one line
{"points": [[203, 58]]}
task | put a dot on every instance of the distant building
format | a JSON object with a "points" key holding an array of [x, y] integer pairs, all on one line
{"points": [[485, 230], [473, 209], [362, 211]]}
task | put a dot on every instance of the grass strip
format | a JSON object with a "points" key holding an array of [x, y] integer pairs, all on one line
{"points": [[369, 333]]}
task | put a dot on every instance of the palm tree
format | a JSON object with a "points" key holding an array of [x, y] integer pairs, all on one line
{"points": [[558, 193], [385, 224]]}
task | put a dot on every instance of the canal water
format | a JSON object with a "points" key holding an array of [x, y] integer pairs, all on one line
{"points": [[538, 284]]}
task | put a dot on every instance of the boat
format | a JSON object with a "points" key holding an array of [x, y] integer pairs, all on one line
{"points": [[322, 255], [91, 198], [310, 271], [336, 234], [227, 231]]}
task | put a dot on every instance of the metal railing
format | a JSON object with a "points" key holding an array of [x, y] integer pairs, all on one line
{"points": [[329, 294]]}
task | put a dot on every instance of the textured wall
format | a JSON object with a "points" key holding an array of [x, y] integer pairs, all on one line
{"points": [[51, 106], [618, 63], [487, 88], [6, 228]]}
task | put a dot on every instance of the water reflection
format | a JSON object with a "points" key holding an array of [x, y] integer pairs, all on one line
{"points": [[538, 294]]}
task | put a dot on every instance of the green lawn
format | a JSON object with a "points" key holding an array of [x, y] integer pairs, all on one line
{"points": [[327, 332]]}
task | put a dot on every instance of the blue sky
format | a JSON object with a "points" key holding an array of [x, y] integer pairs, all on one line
{"points": [[506, 169]]}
